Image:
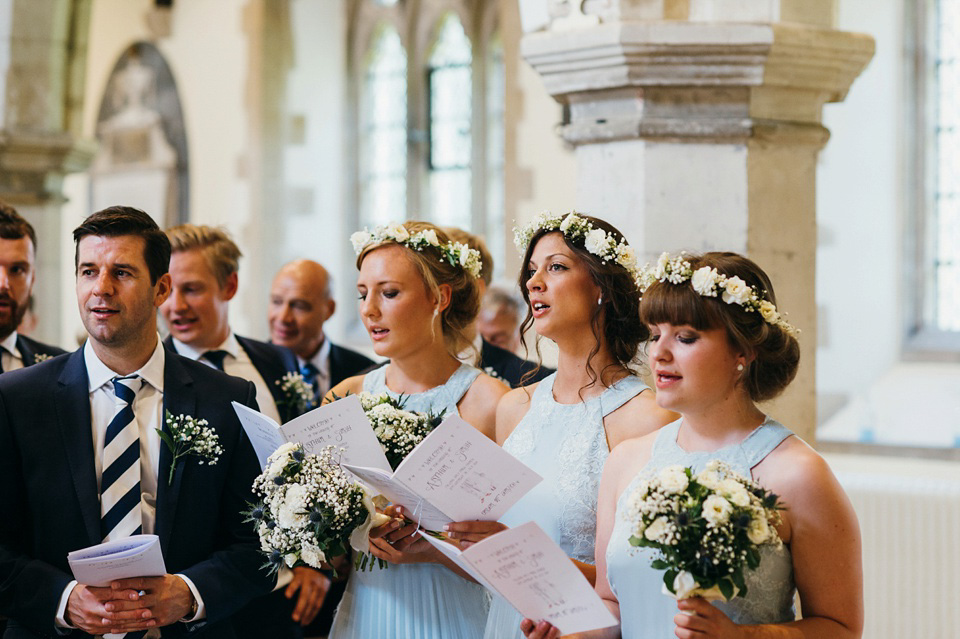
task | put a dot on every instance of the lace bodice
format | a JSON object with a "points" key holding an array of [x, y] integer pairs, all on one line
{"points": [[567, 445], [438, 400], [649, 614]]}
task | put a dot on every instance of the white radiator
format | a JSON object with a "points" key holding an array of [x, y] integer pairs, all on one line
{"points": [[909, 513]]}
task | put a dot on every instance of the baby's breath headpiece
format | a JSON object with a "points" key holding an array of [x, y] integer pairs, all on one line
{"points": [[576, 227], [457, 254], [707, 282]]}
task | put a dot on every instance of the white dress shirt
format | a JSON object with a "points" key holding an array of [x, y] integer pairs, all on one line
{"points": [[148, 409], [321, 360], [238, 364], [9, 355]]}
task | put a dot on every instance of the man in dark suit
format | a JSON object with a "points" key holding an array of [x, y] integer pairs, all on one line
{"points": [[18, 248], [492, 359], [204, 276], [300, 303], [81, 462]]}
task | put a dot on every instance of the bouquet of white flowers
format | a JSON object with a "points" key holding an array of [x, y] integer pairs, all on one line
{"points": [[399, 431], [311, 510], [706, 528]]}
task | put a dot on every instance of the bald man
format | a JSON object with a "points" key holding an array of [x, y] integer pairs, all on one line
{"points": [[300, 303]]}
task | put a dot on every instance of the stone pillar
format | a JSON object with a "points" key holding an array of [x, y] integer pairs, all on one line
{"points": [[697, 125], [42, 65]]}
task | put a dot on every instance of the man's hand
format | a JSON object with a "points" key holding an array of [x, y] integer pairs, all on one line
{"points": [[100, 610], [122, 607], [313, 586]]}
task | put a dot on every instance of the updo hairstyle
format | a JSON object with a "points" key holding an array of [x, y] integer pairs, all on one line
{"points": [[775, 351], [435, 271], [614, 322]]}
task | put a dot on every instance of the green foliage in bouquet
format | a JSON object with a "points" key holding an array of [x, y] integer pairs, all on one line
{"points": [[707, 528], [312, 509]]}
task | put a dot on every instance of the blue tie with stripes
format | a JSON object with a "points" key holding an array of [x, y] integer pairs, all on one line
{"points": [[120, 480]]}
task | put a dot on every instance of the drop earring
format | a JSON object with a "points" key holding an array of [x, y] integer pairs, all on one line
{"points": [[740, 367]]}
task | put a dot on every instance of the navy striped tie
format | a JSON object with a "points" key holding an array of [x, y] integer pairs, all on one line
{"points": [[120, 480]]}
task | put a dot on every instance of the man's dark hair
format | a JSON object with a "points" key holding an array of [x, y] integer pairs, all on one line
{"points": [[116, 221], [13, 226]]}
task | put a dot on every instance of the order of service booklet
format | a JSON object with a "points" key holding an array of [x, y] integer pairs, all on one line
{"points": [[455, 474], [528, 569], [134, 556]]}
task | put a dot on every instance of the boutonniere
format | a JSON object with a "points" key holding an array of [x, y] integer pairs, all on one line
{"points": [[297, 393], [41, 357], [492, 373], [189, 436]]}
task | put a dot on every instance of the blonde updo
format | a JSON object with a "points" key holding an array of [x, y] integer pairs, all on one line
{"points": [[436, 271]]}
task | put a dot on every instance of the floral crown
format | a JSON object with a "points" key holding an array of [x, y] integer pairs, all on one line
{"points": [[457, 254], [707, 282], [575, 227]]}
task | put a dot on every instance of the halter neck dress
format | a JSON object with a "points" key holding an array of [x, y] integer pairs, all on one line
{"points": [[414, 601], [566, 444], [647, 613]]}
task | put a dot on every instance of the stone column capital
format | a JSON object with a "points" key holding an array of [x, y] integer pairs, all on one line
{"points": [[33, 164], [695, 79]]}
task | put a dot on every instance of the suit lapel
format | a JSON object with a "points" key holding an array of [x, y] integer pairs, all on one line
{"points": [[72, 401], [179, 398], [26, 353]]}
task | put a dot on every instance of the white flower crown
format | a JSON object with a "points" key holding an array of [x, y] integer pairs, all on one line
{"points": [[707, 282], [575, 227], [457, 254]]}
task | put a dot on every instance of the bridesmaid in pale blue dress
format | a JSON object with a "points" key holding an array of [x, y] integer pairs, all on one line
{"points": [[564, 427], [713, 360], [416, 299]]}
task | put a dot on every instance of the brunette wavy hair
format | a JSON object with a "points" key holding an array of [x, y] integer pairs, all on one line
{"points": [[615, 322]]}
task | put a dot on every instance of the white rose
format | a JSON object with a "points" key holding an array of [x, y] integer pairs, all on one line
{"points": [[312, 555], [769, 312], [290, 559], [596, 242], [704, 279], [657, 530], [716, 509], [684, 585], [431, 237], [360, 537], [759, 530], [464, 251], [398, 232], [568, 221], [359, 240], [735, 492], [709, 479], [736, 291], [661, 271], [673, 479], [627, 258]]}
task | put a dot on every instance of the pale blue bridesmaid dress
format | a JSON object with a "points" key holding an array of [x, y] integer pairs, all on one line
{"points": [[565, 444], [647, 613], [414, 601]]}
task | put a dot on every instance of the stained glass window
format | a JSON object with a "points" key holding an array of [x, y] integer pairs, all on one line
{"points": [[383, 132], [449, 85], [943, 239]]}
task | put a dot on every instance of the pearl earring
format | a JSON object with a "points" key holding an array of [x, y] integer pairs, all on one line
{"points": [[740, 367], [600, 300]]}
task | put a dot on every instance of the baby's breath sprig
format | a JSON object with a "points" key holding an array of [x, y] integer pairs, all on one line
{"points": [[189, 436], [298, 395]]}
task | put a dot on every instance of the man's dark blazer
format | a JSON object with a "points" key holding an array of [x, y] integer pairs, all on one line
{"points": [[509, 367], [33, 352], [346, 363], [50, 502], [271, 361]]}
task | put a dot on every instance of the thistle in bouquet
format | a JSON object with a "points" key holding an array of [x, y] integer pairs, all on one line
{"points": [[706, 528], [398, 430], [312, 510]]}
